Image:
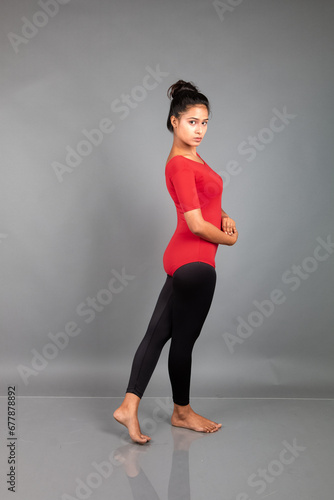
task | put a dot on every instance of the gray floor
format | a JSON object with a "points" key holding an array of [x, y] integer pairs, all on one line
{"points": [[71, 448]]}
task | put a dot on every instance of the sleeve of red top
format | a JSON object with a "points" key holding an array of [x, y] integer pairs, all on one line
{"points": [[183, 180]]}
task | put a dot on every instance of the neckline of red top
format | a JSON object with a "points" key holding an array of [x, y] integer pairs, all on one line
{"points": [[188, 159]]}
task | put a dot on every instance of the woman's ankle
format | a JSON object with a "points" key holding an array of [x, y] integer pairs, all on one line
{"points": [[181, 410], [131, 401]]}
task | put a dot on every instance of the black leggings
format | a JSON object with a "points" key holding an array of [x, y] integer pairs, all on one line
{"points": [[179, 314]]}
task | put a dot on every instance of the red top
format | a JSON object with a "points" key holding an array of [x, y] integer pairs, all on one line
{"points": [[192, 185]]}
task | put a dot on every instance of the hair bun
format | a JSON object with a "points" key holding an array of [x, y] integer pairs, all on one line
{"points": [[180, 86]]}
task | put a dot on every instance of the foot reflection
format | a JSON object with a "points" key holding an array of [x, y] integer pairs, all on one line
{"points": [[141, 486], [179, 484]]}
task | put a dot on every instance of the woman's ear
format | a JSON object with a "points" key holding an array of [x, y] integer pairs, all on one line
{"points": [[173, 121]]}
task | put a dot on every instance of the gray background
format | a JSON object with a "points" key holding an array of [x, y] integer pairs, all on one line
{"points": [[60, 241]]}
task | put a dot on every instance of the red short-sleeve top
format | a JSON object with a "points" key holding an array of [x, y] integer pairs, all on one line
{"points": [[192, 185]]}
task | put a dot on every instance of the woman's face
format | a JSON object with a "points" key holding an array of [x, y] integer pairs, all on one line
{"points": [[191, 126]]}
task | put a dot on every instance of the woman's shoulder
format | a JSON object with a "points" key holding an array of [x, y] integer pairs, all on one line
{"points": [[176, 164], [172, 158]]}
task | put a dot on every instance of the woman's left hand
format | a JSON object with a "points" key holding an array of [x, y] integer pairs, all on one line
{"points": [[228, 225]]}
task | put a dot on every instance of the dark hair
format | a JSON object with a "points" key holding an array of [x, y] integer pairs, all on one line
{"points": [[183, 95]]}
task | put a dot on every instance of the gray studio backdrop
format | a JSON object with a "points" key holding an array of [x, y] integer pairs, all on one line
{"points": [[86, 217]]}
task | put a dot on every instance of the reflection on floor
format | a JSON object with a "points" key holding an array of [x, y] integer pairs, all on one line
{"points": [[71, 449]]}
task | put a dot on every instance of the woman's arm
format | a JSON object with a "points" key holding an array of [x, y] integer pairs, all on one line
{"points": [[208, 231]]}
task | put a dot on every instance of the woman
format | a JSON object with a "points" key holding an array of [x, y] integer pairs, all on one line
{"points": [[189, 261]]}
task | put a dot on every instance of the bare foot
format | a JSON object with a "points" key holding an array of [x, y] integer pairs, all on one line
{"points": [[124, 416], [127, 414], [184, 416]]}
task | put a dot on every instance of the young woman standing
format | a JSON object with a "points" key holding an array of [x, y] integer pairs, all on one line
{"points": [[189, 261]]}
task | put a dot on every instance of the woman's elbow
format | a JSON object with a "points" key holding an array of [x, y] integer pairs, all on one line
{"points": [[195, 222], [196, 228]]}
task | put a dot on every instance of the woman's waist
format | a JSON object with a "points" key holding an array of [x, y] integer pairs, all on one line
{"points": [[186, 238]]}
